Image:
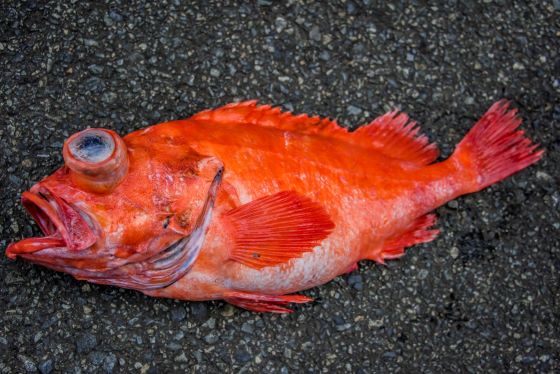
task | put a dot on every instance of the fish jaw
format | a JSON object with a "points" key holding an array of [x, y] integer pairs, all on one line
{"points": [[32, 245], [64, 225]]}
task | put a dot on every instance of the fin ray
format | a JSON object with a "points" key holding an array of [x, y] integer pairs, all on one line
{"points": [[417, 232], [396, 136], [494, 148], [264, 303], [276, 228]]}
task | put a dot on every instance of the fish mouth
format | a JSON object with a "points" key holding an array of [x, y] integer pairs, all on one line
{"points": [[64, 225]]}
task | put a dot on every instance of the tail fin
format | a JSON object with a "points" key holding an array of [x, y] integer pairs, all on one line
{"points": [[494, 149]]}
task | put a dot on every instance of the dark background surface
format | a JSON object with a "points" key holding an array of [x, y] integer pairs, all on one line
{"points": [[482, 297]]}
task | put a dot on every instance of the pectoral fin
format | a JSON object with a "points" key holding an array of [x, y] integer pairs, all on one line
{"points": [[276, 228]]}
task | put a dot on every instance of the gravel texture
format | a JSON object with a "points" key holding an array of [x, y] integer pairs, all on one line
{"points": [[484, 296]]}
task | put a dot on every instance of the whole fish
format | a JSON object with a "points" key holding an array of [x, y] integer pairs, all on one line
{"points": [[250, 204]]}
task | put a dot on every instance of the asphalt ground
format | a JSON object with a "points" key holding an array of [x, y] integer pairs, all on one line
{"points": [[483, 297]]}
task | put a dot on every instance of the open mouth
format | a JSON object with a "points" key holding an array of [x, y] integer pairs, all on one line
{"points": [[62, 224]]}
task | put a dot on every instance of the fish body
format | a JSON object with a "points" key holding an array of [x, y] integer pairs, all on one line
{"points": [[248, 204]]}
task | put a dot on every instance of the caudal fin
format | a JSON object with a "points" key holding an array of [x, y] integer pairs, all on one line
{"points": [[494, 149]]}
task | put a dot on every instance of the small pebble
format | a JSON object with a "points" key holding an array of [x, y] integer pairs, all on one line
{"points": [[85, 342], [46, 367], [454, 252], [315, 34], [353, 110], [178, 314]]}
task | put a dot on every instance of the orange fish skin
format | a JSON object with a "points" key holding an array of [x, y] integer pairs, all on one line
{"points": [[375, 185], [370, 198]]}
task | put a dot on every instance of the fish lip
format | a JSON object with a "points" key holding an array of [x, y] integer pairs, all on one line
{"points": [[43, 212], [46, 210]]}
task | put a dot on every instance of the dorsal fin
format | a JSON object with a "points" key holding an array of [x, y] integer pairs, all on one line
{"points": [[248, 112], [396, 136], [391, 134]]}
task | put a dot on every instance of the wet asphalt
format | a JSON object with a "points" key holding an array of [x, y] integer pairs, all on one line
{"points": [[483, 297]]}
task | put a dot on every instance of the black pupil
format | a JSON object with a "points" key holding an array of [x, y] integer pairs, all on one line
{"points": [[91, 143], [92, 147]]}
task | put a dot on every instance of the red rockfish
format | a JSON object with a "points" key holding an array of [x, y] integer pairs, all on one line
{"points": [[248, 204]]}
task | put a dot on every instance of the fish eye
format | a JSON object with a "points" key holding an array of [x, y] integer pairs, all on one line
{"points": [[97, 159], [93, 146]]}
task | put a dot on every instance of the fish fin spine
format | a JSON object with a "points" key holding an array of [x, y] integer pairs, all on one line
{"points": [[494, 149], [396, 136], [417, 232], [249, 112], [264, 303], [274, 229]]}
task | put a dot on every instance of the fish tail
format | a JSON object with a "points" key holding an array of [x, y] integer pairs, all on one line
{"points": [[494, 148]]}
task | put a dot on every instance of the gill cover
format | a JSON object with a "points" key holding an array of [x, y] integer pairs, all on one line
{"points": [[171, 264]]}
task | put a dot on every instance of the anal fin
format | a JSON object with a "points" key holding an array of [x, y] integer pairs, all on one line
{"points": [[417, 232], [264, 303]]}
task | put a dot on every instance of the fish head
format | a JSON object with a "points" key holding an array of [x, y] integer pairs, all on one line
{"points": [[120, 206]]}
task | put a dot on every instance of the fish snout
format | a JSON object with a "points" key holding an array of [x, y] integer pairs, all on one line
{"points": [[64, 225]]}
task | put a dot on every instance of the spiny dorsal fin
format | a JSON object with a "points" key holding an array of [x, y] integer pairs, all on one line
{"points": [[392, 134], [276, 228], [248, 112]]}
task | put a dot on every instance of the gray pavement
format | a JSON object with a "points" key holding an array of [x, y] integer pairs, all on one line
{"points": [[483, 297]]}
